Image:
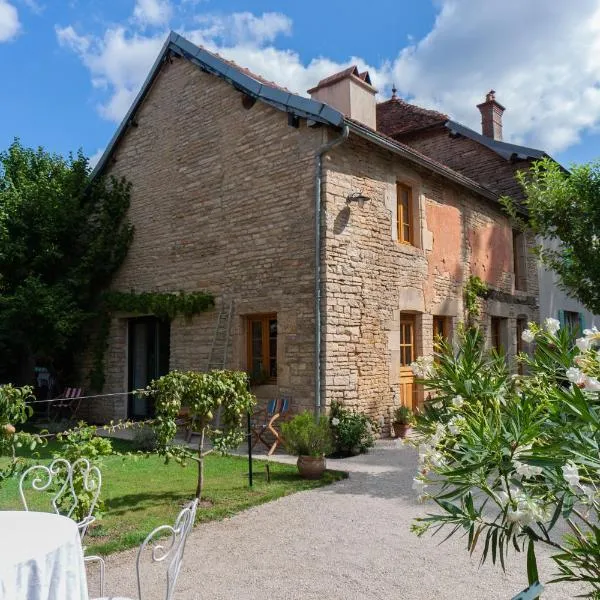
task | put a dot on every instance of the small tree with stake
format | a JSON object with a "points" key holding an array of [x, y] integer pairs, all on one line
{"points": [[204, 394]]}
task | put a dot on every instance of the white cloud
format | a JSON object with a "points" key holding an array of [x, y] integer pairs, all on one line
{"points": [[94, 158], [243, 28], [152, 12], [9, 21], [542, 58], [118, 62], [34, 6]]}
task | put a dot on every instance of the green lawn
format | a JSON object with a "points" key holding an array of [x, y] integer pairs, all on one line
{"points": [[141, 493]]}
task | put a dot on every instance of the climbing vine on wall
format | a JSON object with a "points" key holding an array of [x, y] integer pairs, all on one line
{"points": [[165, 305], [475, 288]]}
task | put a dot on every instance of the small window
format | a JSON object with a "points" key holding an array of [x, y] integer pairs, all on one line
{"points": [[441, 329], [498, 334], [262, 348], [519, 260], [405, 214]]}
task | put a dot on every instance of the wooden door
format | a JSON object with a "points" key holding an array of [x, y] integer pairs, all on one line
{"points": [[408, 391]]}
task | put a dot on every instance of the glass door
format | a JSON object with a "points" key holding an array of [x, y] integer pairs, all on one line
{"points": [[149, 340]]}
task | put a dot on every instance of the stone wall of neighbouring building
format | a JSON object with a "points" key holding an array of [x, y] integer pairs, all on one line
{"points": [[222, 201], [371, 279]]}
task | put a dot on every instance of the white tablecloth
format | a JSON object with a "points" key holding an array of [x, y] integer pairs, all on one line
{"points": [[40, 557]]}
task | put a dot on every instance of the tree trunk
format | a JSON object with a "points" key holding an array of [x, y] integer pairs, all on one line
{"points": [[200, 484]]}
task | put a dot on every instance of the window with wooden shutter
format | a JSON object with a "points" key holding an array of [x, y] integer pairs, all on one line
{"points": [[262, 348], [520, 260], [405, 214]]}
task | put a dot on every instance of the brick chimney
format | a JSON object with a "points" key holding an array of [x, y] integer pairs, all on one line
{"points": [[351, 93], [491, 116]]}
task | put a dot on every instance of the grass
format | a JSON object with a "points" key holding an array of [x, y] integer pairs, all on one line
{"points": [[140, 493]]}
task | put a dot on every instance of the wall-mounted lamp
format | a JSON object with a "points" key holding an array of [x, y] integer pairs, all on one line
{"points": [[357, 197]]}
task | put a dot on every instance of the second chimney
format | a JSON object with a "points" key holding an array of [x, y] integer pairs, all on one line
{"points": [[351, 93], [491, 116]]}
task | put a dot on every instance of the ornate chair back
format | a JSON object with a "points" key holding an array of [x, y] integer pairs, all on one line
{"points": [[166, 544], [59, 480]]}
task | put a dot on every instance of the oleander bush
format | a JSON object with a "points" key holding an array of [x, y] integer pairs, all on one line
{"points": [[512, 461]]}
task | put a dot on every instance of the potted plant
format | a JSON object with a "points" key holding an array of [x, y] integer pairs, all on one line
{"points": [[403, 419], [310, 439]]}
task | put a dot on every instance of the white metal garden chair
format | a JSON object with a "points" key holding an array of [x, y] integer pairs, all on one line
{"points": [[165, 544], [58, 480]]}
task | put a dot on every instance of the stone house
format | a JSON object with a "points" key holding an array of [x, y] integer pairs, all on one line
{"points": [[334, 251], [487, 159]]}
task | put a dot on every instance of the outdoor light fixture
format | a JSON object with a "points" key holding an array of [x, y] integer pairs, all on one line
{"points": [[357, 197]]}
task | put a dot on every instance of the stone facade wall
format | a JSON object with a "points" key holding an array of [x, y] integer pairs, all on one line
{"points": [[222, 201], [371, 279]]}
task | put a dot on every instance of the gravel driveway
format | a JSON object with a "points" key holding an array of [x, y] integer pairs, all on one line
{"points": [[348, 540]]}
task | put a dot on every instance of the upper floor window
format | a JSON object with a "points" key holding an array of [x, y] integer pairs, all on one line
{"points": [[519, 260], [405, 214], [262, 348]]}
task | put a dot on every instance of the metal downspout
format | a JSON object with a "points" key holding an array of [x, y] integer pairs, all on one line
{"points": [[318, 175]]}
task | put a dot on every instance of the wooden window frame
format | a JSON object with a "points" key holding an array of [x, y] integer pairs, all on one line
{"points": [[265, 354], [519, 260], [400, 215], [405, 320]]}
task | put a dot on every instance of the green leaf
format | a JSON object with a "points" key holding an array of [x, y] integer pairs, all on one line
{"points": [[532, 569]]}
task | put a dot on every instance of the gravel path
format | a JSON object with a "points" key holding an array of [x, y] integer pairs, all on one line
{"points": [[345, 541]]}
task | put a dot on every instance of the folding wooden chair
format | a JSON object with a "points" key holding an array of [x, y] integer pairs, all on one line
{"points": [[264, 424], [68, 402]]}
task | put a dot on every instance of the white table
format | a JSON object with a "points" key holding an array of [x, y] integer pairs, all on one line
{"points": [[40, 557]]}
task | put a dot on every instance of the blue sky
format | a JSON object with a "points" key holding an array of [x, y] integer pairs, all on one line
{"points": [[71, 67]]}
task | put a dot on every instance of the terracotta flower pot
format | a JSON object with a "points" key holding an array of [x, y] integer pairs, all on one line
{"points": [[401, 429], [311, 467]]}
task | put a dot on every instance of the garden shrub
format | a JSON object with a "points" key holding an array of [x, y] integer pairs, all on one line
{"points": [[508, 457], [307, 435], [353, 431]]}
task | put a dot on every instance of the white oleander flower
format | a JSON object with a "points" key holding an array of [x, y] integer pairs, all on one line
{"points": [[591, 384], [419, 486], [440, 432], [439, 404], [423, 366], [335, 421], [525, 470], [571, 474], [575, 375], [592, 333], [526, 512], [583, 344], [453, 425], [589, 493], [458, 401], [528, 336], [552, 325]]}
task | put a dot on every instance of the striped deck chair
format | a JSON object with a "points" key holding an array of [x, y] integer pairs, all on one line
{"points": [[67, 404], [266, 422]]}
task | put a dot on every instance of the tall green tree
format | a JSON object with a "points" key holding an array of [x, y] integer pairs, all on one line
{"points": [[62, 237], [564, 209]]}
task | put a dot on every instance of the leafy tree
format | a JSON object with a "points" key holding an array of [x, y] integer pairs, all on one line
{"points": [[564, 209], [62, 236], [203, 395]]}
